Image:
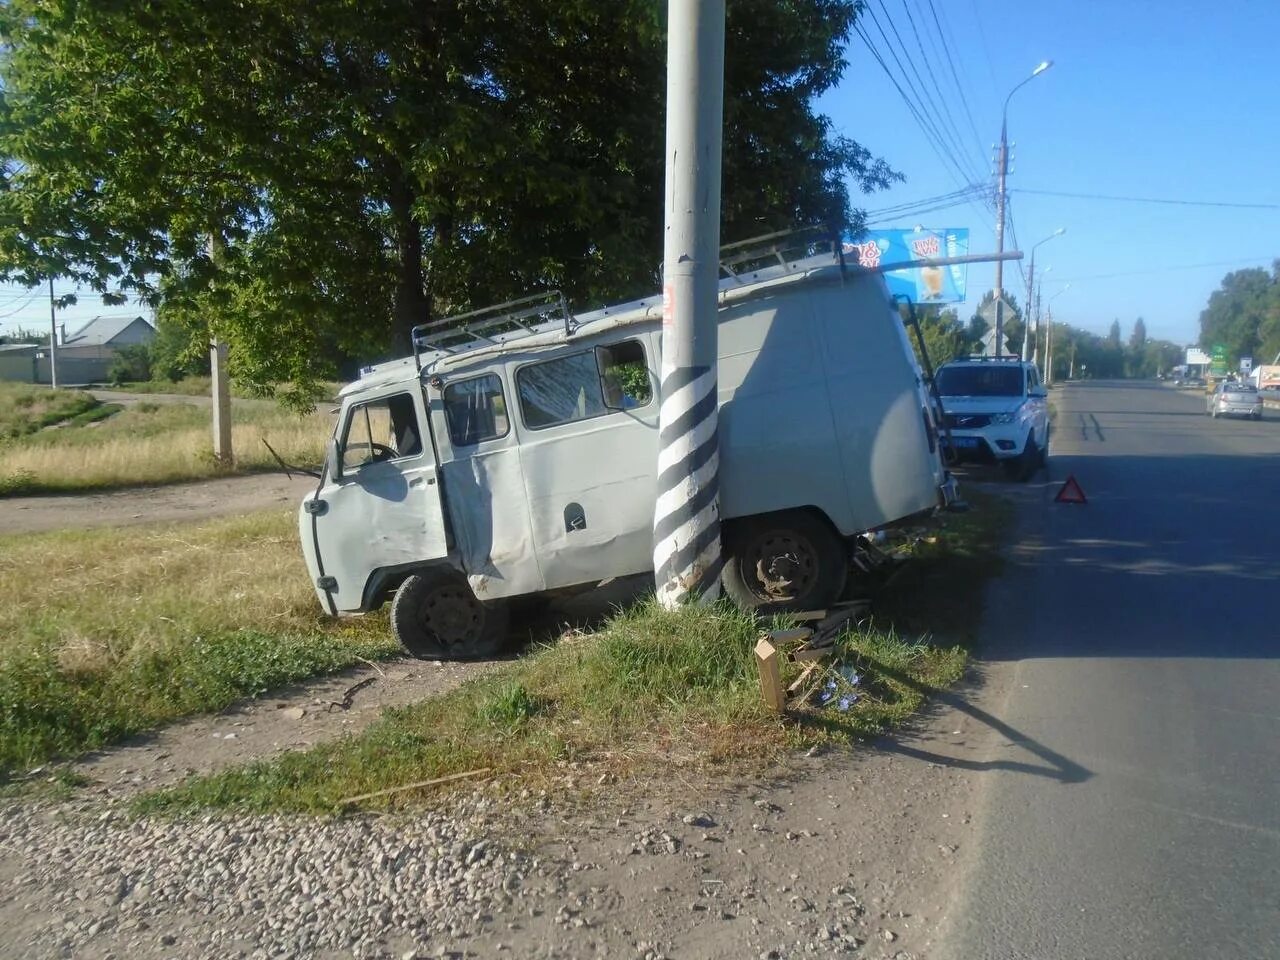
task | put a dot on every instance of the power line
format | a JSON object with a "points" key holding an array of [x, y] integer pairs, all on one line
{"points": [[1185, 266], [1165, 200], [941, 105], [960, 195], [930, 137], [920, 112], [955, 75]]}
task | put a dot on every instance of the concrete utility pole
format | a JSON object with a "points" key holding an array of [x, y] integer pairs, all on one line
{"points": [[221, 386], [53, 338], [686, 516], [221, 402], [1002, 171], [1031, 287]]}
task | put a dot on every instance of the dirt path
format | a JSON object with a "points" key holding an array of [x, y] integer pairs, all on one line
{"points": [[289, 719], [184, 501]]}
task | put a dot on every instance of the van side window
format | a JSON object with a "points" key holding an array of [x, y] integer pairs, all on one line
{"points": [[573, 388], [476, 410], [624, 375], [382, 429]]}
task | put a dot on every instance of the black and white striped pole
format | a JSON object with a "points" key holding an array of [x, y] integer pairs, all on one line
{"points": [[686, 520]]}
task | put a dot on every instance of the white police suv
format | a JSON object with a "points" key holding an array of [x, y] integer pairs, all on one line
{"points": [[996, 411]]}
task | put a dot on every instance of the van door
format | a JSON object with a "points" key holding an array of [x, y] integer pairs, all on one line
{"points": [[381, 508], [589, 449]]}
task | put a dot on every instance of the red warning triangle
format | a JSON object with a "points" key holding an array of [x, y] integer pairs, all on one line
{"points": [[1070, 492]]}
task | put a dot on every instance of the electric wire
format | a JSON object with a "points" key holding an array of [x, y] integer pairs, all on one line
{"points": [[941, 107], [955, 75], [953, 171], [921, 94], [1161, 200]]}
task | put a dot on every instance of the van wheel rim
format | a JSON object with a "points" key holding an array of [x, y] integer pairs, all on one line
{"points": [[452, 615], [783, 566]]}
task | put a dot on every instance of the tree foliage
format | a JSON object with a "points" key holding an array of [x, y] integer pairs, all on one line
{"points": [[1243, 315], [310, 180]]}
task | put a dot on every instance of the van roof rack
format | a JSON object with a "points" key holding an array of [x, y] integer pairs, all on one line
{"points": [[496, 324], [743, 260], [987, 358]]}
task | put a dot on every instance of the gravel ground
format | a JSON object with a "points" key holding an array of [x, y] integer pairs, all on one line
{"points": [[102, 884]]}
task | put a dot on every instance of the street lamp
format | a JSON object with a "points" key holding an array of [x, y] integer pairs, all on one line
{"points": [[1048, 342], [1003, 167], [1031, 289]]}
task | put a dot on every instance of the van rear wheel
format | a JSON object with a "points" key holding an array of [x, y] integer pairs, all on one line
{"points": [[786, 561], [435, 616]]}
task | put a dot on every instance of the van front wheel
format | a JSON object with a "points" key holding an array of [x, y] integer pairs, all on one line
{"points": [[787, 561], [435, 616]]}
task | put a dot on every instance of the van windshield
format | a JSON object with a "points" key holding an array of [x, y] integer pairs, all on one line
{"points": [[984, 381]]}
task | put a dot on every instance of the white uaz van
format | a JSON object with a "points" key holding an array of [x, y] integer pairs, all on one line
{"points": [[514, 455]]}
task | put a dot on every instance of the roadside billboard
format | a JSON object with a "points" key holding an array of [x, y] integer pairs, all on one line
{"points": [[1196, 356], [1268, 376], [877, 248], [1218, 363]]}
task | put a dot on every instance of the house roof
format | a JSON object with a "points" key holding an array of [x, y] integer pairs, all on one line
{"points": [[101, 330], [16, 347]]}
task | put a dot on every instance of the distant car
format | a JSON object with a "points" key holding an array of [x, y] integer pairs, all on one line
{"points": [[1232, 399], [996, 412]]}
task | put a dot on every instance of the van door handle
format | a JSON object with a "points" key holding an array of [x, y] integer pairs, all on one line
{"points": [[422, 481]]}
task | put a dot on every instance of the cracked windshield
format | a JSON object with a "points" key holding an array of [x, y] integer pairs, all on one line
{"points": [[663, 480]]}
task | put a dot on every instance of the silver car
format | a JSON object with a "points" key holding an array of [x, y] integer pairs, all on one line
{"points": [[1232, 399]]}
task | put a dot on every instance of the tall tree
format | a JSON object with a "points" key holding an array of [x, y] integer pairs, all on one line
{"points": [[1243, 314], [1113, 337], [310, 180]]}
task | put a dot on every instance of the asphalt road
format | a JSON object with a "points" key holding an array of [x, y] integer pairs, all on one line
{"points": [[1129, 804]]}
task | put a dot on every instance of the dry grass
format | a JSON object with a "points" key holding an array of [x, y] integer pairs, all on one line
{"points": [[152, 443], [106, 632]]}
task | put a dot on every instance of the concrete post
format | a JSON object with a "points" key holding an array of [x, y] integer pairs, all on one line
{"points": [[686, 524], [221, 403]]}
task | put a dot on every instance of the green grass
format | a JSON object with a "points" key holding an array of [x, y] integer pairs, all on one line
{"points": [[108, 633], [650, 690], [154, 443], [26, 409]]}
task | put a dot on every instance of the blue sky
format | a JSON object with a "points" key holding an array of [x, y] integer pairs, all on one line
{"points": [[1170, 99]]}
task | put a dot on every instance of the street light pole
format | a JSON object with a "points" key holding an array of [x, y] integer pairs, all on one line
{"points": [[1031, 287], [1001, 199], [686, 519], [1048, 342]]}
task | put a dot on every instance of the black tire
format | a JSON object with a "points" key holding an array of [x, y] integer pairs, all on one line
{"points": [[784, 562], [1024, 466], [435, 616]]}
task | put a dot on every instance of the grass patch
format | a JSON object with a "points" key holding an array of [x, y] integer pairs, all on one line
{"points": [[26, 409], [107, 633], [650, 689], [940, 590], [152, 443]]}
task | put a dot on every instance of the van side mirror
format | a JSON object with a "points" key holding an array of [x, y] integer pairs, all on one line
{"points": [[331, 464], [1038, 392]]}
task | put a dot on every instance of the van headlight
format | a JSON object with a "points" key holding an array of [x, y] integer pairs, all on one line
{"points": [[1002, 418]]}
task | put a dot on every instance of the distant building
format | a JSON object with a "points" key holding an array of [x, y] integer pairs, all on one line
{"points": [[83, 357]]}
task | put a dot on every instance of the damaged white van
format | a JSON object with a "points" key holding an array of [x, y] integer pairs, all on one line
{"points": [[514, 454]]}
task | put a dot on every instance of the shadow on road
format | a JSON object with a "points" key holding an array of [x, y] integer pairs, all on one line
{"points": [[1055, 766]]}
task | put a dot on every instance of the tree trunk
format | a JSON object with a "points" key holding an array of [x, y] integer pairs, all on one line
{"points": [[411, 306]]}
